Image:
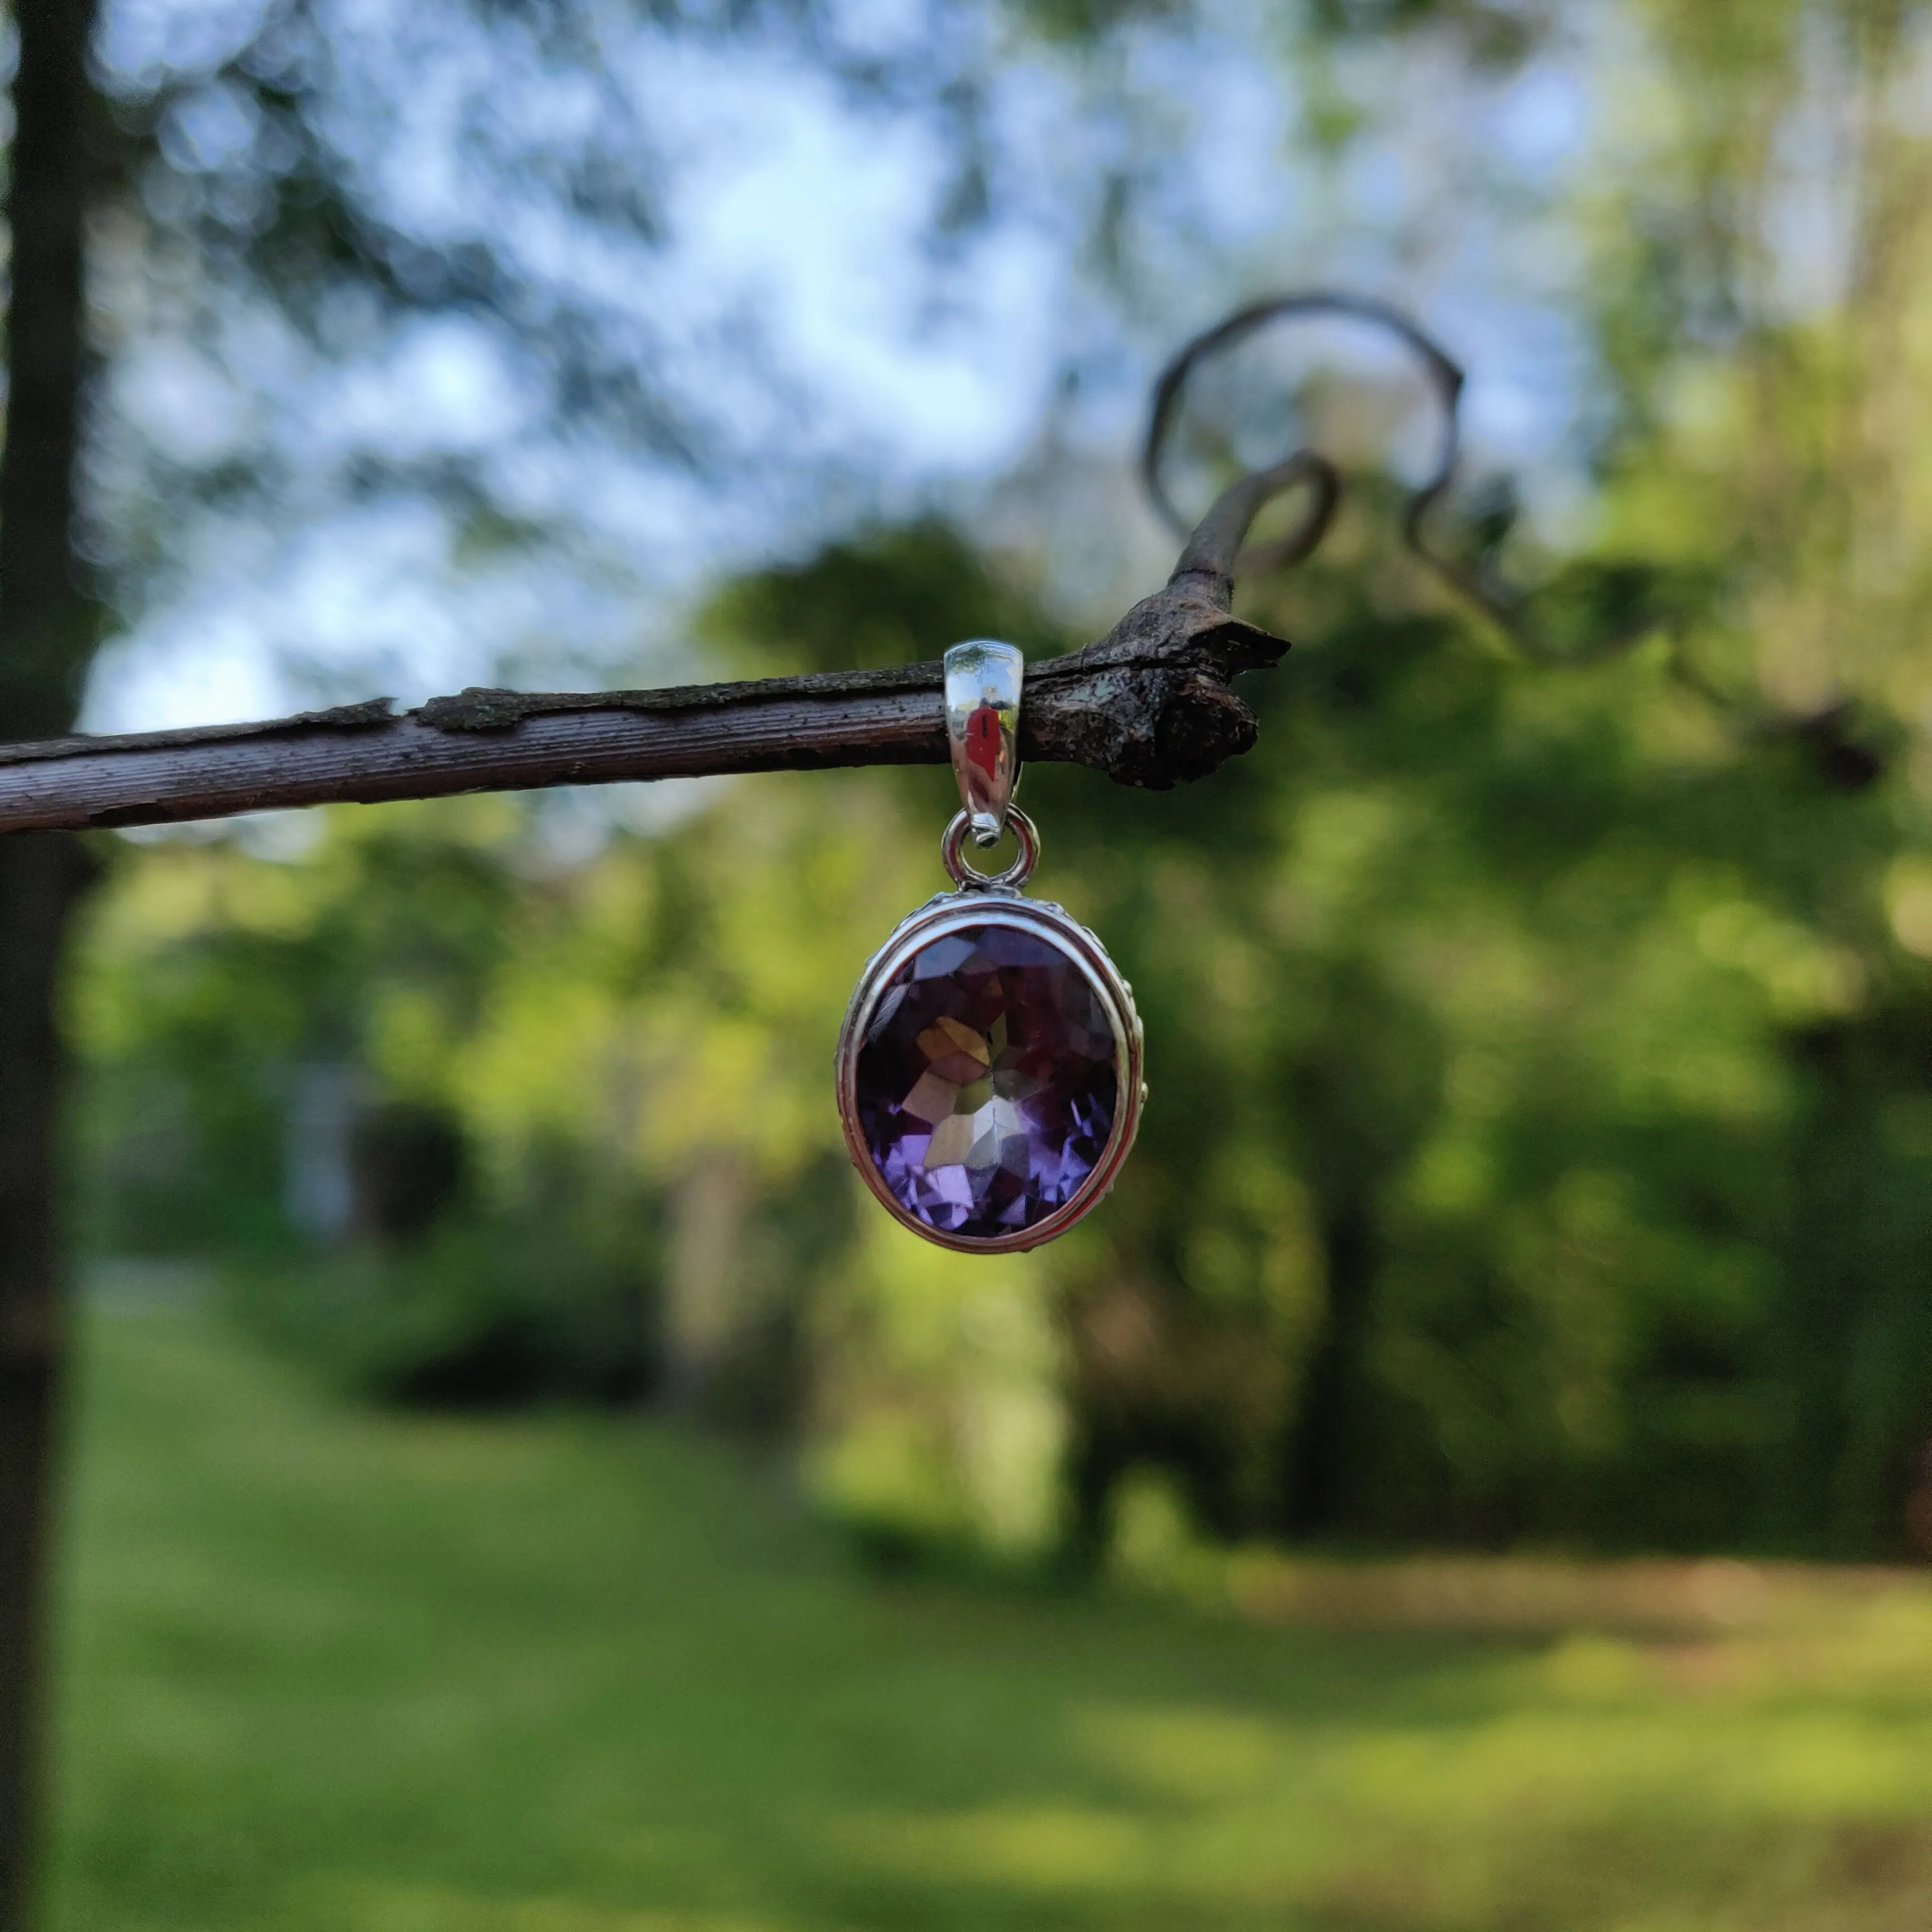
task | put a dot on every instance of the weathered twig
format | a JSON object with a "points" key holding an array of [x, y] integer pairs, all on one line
{"points": [[1840, 740], [1150, 705], [1507, 608]]}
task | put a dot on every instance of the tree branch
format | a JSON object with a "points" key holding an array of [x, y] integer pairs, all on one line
{"points": [[1150, 705]]}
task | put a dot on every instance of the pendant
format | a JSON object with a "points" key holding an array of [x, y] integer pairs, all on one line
{"points": [[989, 1067]]}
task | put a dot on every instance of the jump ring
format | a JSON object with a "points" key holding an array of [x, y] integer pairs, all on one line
{"points": [[953, 851]]}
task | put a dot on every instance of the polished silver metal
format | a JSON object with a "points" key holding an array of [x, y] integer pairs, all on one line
{"points": [[994, 903], [953, 851], [982, 726]]}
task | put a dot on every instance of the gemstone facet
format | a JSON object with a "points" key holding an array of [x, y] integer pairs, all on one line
{"points": [[988, 1082]]}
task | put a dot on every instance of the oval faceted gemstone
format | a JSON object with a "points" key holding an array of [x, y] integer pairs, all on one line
{"points": [[986, 1083]]}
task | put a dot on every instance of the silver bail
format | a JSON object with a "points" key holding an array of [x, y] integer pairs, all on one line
{"points": [[982, 726]]}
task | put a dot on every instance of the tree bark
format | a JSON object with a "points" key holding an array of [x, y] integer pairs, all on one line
{"points": [[47, 632], [38, 879], [1150, 704]]}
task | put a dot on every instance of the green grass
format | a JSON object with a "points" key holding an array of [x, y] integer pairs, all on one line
{"points": [[328, 1669]]}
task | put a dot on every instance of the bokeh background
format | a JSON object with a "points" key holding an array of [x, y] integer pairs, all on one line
{"points": [[1469, 1474]]}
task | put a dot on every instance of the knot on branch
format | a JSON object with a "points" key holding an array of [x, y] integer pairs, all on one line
{"points": [[1151, 704]]}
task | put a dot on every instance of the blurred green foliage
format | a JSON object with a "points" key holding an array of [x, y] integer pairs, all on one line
{"points": [[1540, 1146]]}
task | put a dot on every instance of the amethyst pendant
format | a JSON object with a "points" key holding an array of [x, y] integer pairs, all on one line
{"points": [[989, 1068]]}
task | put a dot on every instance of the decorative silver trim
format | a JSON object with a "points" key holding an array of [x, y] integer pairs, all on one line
{"points": [[983, 725], [998, 905]]}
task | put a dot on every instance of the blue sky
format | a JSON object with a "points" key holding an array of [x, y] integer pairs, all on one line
{"points": [[841, 354]]}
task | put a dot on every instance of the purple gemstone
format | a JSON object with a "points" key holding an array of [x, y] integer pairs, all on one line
{"points": [[986, 1084]]}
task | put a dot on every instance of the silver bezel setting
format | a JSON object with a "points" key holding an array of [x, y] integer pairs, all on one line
{"points": [[997, 906]]}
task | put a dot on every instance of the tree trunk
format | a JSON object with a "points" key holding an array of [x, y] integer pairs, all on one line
{"points": [[47, 632], [706, 1300], [38, 877]]}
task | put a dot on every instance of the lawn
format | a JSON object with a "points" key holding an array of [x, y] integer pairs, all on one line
{"points": [[323, 1668]]}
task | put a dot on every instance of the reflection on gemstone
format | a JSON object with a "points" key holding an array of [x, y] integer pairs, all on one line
{"points": [[987, 1083]]}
